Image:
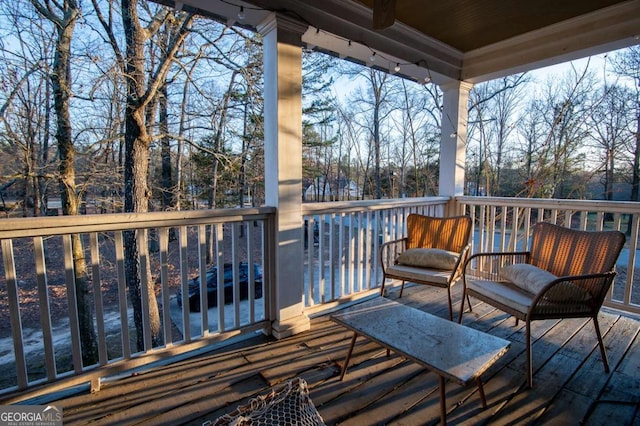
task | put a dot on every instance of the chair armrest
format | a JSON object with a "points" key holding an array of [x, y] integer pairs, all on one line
{"points": [[458, 269], [488, 266], [390, 250], [576, 289]]}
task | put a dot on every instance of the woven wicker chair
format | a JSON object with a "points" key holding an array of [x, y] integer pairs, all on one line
{"points": [[440, 246], [565, 274]]}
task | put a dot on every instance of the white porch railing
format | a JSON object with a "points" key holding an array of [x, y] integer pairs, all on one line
{"points": [[40, 341], [40, 347], [502, 224], [342, 240]]}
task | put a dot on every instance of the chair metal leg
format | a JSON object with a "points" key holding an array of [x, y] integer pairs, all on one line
{"points": [[401, 289], [464, 293], [450, 305], [529, 354], [603, 351]]}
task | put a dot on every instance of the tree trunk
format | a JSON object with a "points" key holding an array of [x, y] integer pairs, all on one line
{"points": [[168, 196], [61, 85], [136, 163]]}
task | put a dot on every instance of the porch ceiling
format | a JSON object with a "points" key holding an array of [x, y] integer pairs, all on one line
{"points": [[472, 40]]}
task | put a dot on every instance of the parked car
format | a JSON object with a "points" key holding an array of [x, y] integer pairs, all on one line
{"points": [[212, 285]]}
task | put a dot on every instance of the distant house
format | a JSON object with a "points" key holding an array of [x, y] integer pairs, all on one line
{"points": [[322, 190]]}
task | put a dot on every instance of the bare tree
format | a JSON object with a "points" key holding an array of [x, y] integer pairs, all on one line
{"points": [[493, 114], [64, 17], [627, 64], [610, 130], [142, 89]]}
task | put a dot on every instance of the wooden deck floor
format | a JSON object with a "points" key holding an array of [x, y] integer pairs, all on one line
{"points": [[570, 388]]}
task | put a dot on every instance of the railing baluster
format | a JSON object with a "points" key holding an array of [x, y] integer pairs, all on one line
{"points": [[251, 276], [235, 267], [142, 240], [94, 243], [202, 270], [122, 295], [219, 228], [163, 240], [184, 283], [633, 247], [333, 254], [14, 312], [45, 312], [351, 258], [309, 241], [72, 300], [360, 256]]}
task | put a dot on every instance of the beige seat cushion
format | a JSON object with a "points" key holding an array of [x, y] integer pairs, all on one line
{"points": [[428, 258], [505, 293], [419, 274]]}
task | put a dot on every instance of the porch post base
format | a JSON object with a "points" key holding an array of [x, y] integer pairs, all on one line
{"points": [[287, 328]]}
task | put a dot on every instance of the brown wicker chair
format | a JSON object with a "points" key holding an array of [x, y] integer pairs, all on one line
{"points": [[565, 274], [440, 248]]}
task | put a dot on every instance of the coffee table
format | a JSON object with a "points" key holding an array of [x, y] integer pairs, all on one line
{"points": [[450, 350]]}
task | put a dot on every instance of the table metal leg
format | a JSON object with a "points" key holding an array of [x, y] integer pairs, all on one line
{"points": [[346, 361], [443, 403], [481, 390]]}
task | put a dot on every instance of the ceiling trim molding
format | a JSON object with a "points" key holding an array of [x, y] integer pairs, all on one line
{"points": [[352, 21], [616, 27]]}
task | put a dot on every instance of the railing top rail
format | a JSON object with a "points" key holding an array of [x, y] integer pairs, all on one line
{"points": [[369, 205], [590, 205], [56, 225]]}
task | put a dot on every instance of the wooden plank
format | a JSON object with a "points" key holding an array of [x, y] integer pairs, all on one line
{"points": [[368, 403], [335, 398], [501, 381], [612, 413], [304, 358], [552, 369], [399, 400], [625, 387], [212, 405], [630, 365], [567, 408], [391, 390], [577, 396], [147, 388]]}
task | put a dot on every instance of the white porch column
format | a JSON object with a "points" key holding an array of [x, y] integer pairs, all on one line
{"points": [[453, 139], [282, 44]]}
